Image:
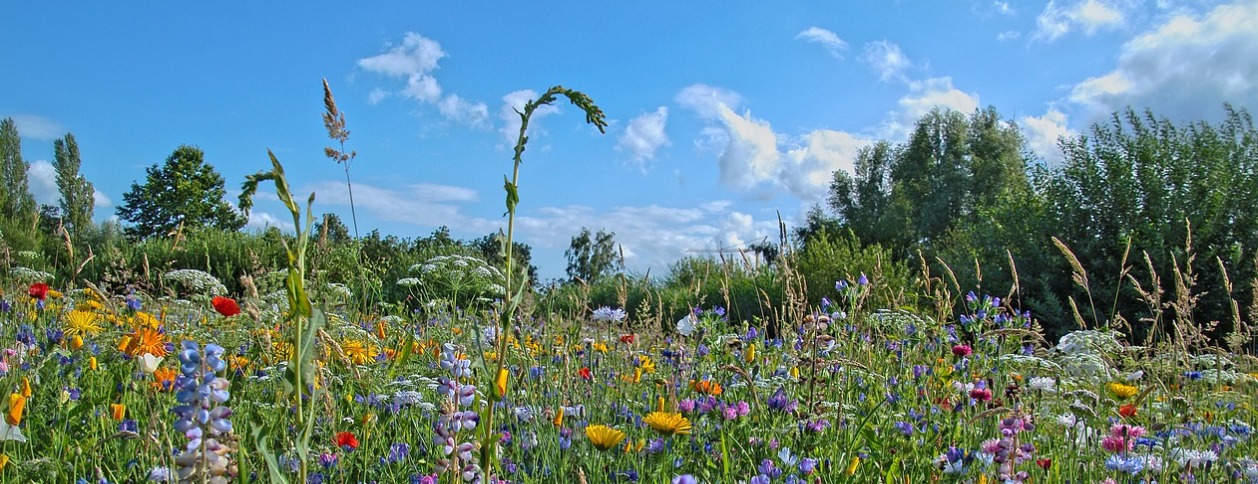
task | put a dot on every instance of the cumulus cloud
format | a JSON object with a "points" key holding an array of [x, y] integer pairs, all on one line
{"points": [[887, 60], [1090, 16], [923, 96], [414, 61], [645, 135], [41, 180], [262, 220], [751, 154], [651, 236], [1186, 67], [1042, 133], [828, 40], [704, 100], [37, 127], [100, 200]]}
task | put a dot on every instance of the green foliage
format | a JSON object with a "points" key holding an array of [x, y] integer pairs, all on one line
{"points": [[592, 256], [184, 192], [829, 258], [78, 199], [15, 195]]}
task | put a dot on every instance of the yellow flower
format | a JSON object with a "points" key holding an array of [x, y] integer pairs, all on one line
{"points": [[82, 323], [26, 387], [795, 372], [4, 461], [281, 350], [358, 352], [142, 319], [55, 294], [118, 411], [144, 340], [500, 383], [851, 468], [91, 363], [631, 447], [380, 329], [601, 347], [16, 404], [558, 421], [750, 355], [644, 362], [667, 423], [164, 379], [75, 342], [659, 407], [603, 437], [1122, 390]]}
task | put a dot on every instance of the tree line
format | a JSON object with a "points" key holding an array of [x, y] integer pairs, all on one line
{"points": [[1140, 204]]}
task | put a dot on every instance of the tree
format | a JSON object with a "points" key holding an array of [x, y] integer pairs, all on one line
{"points": [[77, 194], [332, 230], [184, 191], [490, 249], [15, 196], [591, 256]]}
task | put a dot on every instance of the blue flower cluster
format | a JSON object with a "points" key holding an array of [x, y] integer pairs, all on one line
{"points": [[202, 418]]}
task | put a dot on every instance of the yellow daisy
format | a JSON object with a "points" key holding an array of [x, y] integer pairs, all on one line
{"points": [[82, 323], [668, 423], [358, 352], [604, 437]]}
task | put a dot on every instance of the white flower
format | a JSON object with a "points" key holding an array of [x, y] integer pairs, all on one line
{"points": [[149, 363], [1135, 375], [686, 325], [1042, 383], [608, 314]]}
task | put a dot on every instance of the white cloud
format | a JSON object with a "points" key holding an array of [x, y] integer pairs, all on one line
{"points": [[415, 60], [1042, 133], [1089, 15], [923, 96], [41, 180], [37, 127], [513, 104], [751, 155], [831, 42], [100, 200], [808, 169], [1008, 35], [887, 60], [645, 135], [704, 100], [1184, 68], [262, 220], [421, 204]]}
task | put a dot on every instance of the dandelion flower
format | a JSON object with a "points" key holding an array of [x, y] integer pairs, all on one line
{"points": [[604, 437], [668, 423]]}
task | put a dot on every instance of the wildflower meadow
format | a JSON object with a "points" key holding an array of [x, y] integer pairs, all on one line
{"points": [[292, 374]]}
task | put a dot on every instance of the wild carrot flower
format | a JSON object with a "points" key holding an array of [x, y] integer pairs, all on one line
{"points": [[603, 437]]}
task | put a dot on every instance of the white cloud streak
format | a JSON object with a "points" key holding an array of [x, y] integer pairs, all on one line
{"points": [[887, 60], [1090, 16], [827, 39]]}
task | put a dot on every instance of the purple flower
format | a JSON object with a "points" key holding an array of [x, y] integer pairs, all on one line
{"points": [[685, 479]]}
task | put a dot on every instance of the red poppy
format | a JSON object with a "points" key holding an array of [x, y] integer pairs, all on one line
{"points": [[39, 291], [585, 373], [626, 339], [1044, 463], [1127, 411], [225, 306], [346, 440]]}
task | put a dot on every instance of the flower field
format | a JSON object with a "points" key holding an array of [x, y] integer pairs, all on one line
{"points": [[130, 388]]}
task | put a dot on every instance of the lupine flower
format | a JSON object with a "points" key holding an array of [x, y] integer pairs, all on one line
{"points": [[201, 417]]}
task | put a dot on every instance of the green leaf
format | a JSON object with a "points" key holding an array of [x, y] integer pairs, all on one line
{"points": [[513, 196]]}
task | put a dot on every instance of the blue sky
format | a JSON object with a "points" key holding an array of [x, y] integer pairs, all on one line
{"points": [[723, 114]]}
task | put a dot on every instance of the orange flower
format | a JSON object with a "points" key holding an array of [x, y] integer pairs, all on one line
{"points": [[16, 404], [164, 379], [1127, 411], [708, 387], [118, 411], [500, 383], [144, 340]]}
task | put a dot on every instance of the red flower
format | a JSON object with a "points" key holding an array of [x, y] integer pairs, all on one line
{"points": [[962, 351], [1044, 463], [626, 338], [1127, 411], [39, 291], [981, 394], [225, 306], [346, 440], [585, 373]]}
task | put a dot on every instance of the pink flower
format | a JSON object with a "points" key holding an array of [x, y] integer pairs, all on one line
{"points": [[962, 351], [981, 394]]}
